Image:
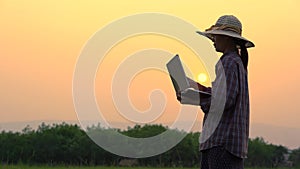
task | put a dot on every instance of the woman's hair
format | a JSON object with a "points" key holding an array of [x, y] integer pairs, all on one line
{"points": [[244, 56], [243, 53]]}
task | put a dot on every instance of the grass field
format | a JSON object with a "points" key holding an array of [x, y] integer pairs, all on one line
{"points": [[99, 167]]}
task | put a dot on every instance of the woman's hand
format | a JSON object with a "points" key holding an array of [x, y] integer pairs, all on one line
{"points": [[178, 95]]}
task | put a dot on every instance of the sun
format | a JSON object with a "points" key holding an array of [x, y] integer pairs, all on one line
{"points": [[202, 77]]}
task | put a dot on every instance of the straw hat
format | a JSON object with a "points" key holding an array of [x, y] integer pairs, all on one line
{"points": [[227, 25]]}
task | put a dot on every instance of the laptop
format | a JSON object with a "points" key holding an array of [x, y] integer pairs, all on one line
{"points": [[178, 76]]}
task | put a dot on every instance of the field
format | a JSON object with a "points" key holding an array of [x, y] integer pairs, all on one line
{"points": [[77, 167]]}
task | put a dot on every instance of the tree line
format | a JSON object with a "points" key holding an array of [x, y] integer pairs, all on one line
{"points": [[68, 144]]}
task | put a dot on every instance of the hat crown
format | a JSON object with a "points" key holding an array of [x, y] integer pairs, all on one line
{"points": [[229, 20], [228, 25]]}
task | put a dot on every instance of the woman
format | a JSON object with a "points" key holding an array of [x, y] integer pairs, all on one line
{"points": [[224, 138]]}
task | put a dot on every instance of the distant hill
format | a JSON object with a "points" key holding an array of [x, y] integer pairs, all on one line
{"points": [[278, 135]]}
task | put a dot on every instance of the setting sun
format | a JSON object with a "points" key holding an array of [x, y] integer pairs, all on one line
{"points": [[202, 77]]}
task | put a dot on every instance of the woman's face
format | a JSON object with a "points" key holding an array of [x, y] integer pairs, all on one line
{"points": [[220, 42]]}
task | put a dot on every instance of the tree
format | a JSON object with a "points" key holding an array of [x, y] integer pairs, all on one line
{"points": [[262, 154], [68, 144], [295, 157]]}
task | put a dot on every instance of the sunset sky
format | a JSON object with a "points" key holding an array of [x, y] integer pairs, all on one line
{"points": [[40, 42]]}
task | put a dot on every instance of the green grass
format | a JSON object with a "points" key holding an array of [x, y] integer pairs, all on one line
{"points": [[98, 167]]}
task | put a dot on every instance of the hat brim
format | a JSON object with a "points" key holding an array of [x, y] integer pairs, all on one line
{"points": [[208, 34]]}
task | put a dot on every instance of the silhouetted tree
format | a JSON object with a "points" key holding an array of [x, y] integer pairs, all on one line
{"points": [[68, 144], [295, 157]]}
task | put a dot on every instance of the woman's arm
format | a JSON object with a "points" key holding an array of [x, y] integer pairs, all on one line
{"points": [[194, 97], [224, 88]]}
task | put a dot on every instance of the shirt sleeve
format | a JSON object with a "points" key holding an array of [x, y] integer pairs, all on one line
{"points": [[225, 85]]}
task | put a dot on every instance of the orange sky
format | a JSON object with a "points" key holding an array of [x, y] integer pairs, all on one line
{"points": [[41, 40]]}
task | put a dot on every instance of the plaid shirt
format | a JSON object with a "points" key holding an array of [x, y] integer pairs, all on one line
{"points": [[232, 131]]}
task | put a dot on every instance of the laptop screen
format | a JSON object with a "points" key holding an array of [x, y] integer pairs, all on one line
{"points": [[177, 74]]}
